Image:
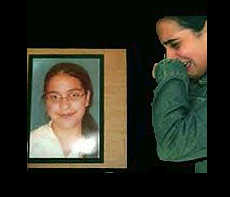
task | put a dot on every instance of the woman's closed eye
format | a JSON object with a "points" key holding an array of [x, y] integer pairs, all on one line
{"points": [[175, 45]]}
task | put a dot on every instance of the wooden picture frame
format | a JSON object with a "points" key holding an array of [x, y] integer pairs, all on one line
{"points": [[112, 93]]}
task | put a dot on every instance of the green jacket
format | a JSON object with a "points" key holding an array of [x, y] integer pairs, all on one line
{"points": [[180, 115]]}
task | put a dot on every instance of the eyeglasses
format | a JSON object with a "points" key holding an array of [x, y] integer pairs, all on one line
{"points": [[57, 98]]}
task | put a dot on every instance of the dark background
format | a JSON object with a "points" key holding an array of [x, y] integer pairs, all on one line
{"points": [[116, 26]]}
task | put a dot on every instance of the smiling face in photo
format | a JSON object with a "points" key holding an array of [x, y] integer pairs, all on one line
{"points": [[66, 101]]}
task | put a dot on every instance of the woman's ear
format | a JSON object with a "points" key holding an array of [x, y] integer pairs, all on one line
{"points": [[205, 27], [88, 95], [203, 32]]}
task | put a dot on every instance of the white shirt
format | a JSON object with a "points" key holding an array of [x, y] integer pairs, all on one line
{"points": [[45, 144]]}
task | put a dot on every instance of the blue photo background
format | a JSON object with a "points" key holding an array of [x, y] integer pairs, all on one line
{"points": [[40, 67]]}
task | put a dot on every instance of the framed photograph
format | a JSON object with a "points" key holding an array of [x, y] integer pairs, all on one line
{"points": [[75, 116]]}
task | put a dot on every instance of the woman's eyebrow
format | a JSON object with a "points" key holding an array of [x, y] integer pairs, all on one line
{"points": [[170, 41]]}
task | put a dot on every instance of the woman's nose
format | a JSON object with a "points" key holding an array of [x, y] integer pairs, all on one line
{"points": [[170, 53]]}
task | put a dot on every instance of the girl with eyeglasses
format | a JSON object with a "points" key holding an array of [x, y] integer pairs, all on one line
{"points": [[72, 132]]}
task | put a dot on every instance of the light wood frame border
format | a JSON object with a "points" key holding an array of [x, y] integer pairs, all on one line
{"points": [[115, 107]]}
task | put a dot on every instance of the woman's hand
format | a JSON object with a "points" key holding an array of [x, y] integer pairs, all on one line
{"points": [[164, 62]]}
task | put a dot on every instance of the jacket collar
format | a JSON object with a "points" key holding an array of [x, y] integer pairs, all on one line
{"points": [[203, 79]]}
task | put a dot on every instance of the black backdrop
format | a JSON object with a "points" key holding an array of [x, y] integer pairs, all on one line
{"points": [[75, 26]]}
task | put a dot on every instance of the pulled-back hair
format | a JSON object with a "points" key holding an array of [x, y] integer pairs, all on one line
{"points": [[195, 23]]}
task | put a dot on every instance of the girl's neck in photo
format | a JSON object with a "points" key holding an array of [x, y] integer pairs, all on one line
{"points": [[67, 133]]}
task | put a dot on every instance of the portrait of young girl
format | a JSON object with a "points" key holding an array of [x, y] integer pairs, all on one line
{"points": [[71, 131]]}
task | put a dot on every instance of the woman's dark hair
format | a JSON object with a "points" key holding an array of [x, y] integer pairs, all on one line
{"points": [[77, 71], [195, 23]]}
